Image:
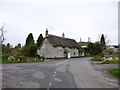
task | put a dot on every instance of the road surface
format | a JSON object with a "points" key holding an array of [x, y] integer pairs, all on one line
{"points": [[67, 73]]}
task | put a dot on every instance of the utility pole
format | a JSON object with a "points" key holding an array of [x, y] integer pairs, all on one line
{"points": [[89, 41], [80, 40]]}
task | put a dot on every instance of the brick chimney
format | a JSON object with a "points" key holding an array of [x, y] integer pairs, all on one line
{"points": [[46, 33]]}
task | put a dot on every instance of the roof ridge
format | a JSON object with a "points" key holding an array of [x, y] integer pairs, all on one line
{"points": [[61, 37], [64, 42]]}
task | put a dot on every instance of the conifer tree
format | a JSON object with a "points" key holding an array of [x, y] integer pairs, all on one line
{"points": [[30, 39], [40, 39], [102, 42]]}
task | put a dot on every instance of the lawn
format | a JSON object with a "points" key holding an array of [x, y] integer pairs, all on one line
{"points": [[115, 72]]}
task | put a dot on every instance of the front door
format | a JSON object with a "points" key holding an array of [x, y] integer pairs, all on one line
{"points": [[69, 55]]}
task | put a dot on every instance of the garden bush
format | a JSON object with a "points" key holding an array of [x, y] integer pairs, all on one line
{"points": [[5, 56], [56, 58], [96, 58]]}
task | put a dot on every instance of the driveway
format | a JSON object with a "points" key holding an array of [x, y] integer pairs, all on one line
{"points": [[67, 73]]}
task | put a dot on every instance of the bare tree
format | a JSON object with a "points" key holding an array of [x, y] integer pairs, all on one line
{"points": [[106, 39], [2, 32]]}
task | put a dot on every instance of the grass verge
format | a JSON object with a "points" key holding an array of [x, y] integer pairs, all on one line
{"points": [[96, 58], [110, 61], [115, 72], [20, 61]]}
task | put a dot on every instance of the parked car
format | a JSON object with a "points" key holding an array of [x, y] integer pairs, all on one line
{"points": [[40, 56]]}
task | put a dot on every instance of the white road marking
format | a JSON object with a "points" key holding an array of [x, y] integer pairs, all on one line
{"points": [[57, 63], [50, 84], [61, 62], [57, 79], [54, 72], [53, 75]]}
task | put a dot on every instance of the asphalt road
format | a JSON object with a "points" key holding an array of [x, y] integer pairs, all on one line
{"points": [[67, 73]]}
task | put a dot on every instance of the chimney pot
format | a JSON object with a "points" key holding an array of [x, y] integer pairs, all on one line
{"points": [[63, 35], [46, 33]]}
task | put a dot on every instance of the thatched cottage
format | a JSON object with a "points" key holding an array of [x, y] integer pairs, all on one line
{"points": [[59, 47]]}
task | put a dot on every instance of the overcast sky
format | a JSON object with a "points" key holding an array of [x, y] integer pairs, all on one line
{"points": [[76, 18]]}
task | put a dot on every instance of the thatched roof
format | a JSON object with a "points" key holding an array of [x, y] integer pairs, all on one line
{"points": [[64, 42]]}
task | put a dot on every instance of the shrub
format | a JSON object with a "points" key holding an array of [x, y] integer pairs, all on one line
{"points": [[5, 56], [29, 50], [96, 58], [21, 57], [56, 58]]}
